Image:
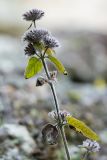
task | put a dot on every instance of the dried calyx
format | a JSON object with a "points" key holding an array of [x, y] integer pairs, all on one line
{"points": [[44, 80], [41, 81], [91, 146], [50, 134], [53, 76], [53, 115]]}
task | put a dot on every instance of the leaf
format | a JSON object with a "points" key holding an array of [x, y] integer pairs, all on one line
{"points": [[58, 64], [82, 127], [33, 67], [50, 51]]}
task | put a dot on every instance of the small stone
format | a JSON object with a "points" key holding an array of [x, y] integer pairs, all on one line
{"points": [[21, 133]]}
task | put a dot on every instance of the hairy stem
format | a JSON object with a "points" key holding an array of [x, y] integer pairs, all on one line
{"points": [[57, 110], [29, 26], [85, 155]]}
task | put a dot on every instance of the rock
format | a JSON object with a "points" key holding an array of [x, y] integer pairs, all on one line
{"points": [[3, 134], [85, 55], [103, 136], [104, 157], [87, 94], [13, 154], [22, 98], [21, 133]]}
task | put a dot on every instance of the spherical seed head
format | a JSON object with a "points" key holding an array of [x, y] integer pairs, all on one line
{"points": [[32, 15], [35, 35], [29, 50], [51, 42]]}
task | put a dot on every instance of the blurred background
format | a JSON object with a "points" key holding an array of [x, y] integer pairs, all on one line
{"points": [[81, 28]]}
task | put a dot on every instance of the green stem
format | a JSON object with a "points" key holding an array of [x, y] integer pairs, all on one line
{"points": [[57, 110], [85, 155]]}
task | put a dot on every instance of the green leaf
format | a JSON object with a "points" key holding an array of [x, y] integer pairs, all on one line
{"points": [[33, 67], [58, 64]]}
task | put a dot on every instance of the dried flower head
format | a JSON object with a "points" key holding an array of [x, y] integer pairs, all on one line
{"points": [[29, 50], [52, 115], [33, 15], [53, 76], [91, 146], [51, 42], [35, 35], [62, 113]]}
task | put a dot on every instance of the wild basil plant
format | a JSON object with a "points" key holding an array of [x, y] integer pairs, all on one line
{"points": [[40, 47]]}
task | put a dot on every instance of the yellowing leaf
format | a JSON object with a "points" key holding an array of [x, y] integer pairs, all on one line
{"points": [[82, 127], [58, 64], [33, 67], [50, 51]]}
